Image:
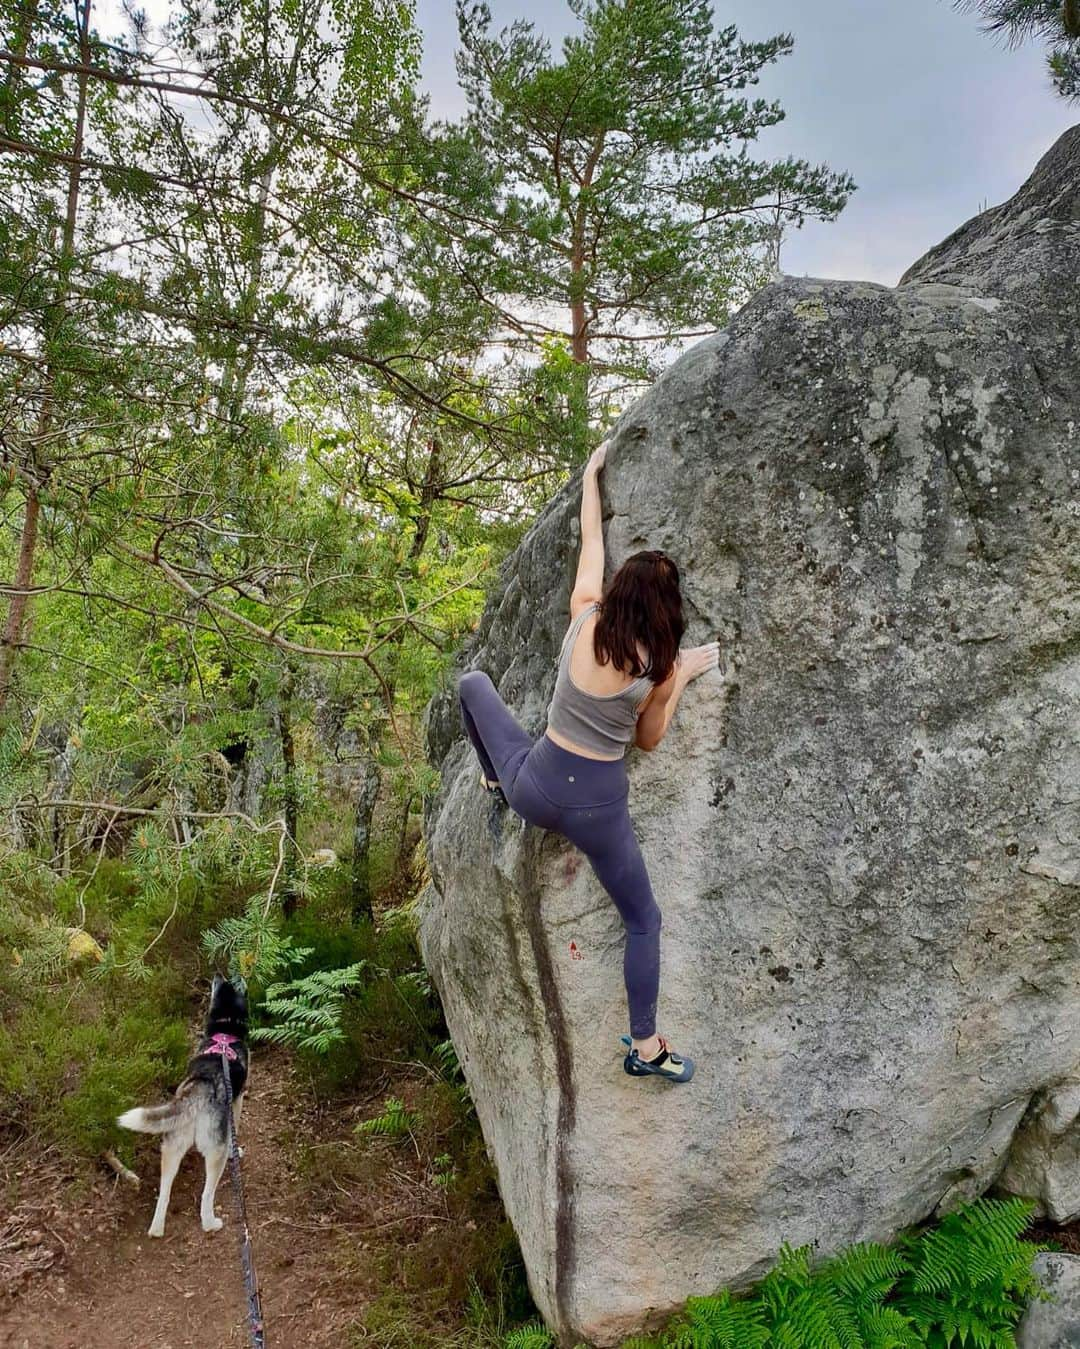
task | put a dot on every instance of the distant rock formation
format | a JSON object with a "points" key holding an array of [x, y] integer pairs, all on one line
{"points": [[865, 842]]}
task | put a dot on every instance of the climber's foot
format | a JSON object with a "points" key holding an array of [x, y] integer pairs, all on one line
{"points": [[666, 1063], [493, 786]]}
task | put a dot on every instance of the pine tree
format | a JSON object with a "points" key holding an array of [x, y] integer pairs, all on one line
{"points": [[619, 179], [1056, 22]]}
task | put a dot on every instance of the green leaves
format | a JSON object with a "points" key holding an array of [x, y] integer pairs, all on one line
{"points": [[532, 1336], [624, 191], [252, 944]]}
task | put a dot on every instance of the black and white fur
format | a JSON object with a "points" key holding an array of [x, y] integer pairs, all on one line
{"points": [[198, 1114]]}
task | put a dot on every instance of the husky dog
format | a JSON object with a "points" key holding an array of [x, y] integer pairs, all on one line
{"points": [[198, 1114]]}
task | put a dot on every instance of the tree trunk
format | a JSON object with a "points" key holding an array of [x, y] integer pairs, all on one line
{"points": [[19, 609], [401, 865], [290, 791], [367, 794], [579, 323], [19, 604]]}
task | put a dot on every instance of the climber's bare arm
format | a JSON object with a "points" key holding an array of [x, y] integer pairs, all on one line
{"points": [[589, 584], [662, 699], [655, 715]]}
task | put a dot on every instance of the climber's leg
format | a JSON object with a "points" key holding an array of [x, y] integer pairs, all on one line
{"points": [[606, 836], [591, 800], [500, 743]]}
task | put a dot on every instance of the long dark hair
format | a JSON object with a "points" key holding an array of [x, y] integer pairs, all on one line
{"points": [[642, 603]]}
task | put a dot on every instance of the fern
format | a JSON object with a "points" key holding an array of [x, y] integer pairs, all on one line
{"points": [[415, 982], [443, 1171], [309, 1009], [719, 1322], [394, 1122], [970, 1277], [446, 1058], [535, 1335]]}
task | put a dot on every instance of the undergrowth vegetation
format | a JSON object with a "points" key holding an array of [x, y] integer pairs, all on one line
{"points": [[88, 1033], [103, 978], [963, 1281]]}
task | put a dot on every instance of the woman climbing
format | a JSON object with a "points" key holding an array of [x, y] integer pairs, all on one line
{"points": [[619, 684]]}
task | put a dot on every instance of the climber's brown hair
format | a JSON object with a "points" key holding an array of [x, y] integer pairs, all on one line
{"points": [[642, 604]]}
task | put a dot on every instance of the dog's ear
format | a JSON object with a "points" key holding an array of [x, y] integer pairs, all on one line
{"points": [[216, 983]]}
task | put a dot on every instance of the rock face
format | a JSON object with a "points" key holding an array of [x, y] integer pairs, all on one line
{"points": [[865, 841]]}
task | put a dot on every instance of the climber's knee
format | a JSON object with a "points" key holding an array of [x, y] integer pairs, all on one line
{"points": [[470, 682], [648, 923]]}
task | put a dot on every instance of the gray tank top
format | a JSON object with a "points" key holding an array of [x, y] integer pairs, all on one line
{"points": [[602, 722]]}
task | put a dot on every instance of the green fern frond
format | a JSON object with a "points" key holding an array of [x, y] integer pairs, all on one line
{"points": [[394, 1122], [309, 1010], [888, 1328], [445, 1056], [719, 1322], [415, 982], [535, 1335], [970, 1277], [864, 1272]]}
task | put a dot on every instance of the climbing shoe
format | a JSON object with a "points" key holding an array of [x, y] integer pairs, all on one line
{"points": [[493, 789], [674, 1067]]}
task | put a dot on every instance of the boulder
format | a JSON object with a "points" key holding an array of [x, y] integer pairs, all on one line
{"points": [[1055, 1322], [865, 839]]}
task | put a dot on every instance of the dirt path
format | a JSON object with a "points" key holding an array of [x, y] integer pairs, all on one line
{"points": [[90, 1278]]}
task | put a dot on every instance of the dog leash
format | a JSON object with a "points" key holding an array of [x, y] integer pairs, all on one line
{"points": [[222, 1044]]}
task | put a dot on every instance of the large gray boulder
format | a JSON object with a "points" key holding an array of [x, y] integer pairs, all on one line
{"points": [[865, 841]]}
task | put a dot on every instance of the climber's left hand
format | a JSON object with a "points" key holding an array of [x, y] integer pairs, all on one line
{"points": [[597, 458]]}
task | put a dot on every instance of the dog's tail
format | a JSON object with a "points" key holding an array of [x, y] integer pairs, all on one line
{"points": [[152, 1119]]}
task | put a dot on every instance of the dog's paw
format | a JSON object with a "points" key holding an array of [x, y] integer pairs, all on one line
{"points": [[214, 1225], [156, 1230]]}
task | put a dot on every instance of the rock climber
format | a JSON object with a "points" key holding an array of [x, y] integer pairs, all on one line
{"points": [[619, 683]]}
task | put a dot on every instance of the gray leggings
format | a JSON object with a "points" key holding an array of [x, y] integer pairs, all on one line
{"points": [[585, 800]]}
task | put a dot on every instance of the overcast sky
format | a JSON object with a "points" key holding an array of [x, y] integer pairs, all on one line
{"points": [[934, 118]]}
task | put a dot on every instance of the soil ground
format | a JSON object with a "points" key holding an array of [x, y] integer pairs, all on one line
{"points": [[77, 1268]]}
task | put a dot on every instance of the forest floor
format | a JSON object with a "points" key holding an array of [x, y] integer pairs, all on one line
{"points": [[77, 1268]]}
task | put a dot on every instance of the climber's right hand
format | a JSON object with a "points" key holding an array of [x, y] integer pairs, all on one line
{"points": [[695, 660]]}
